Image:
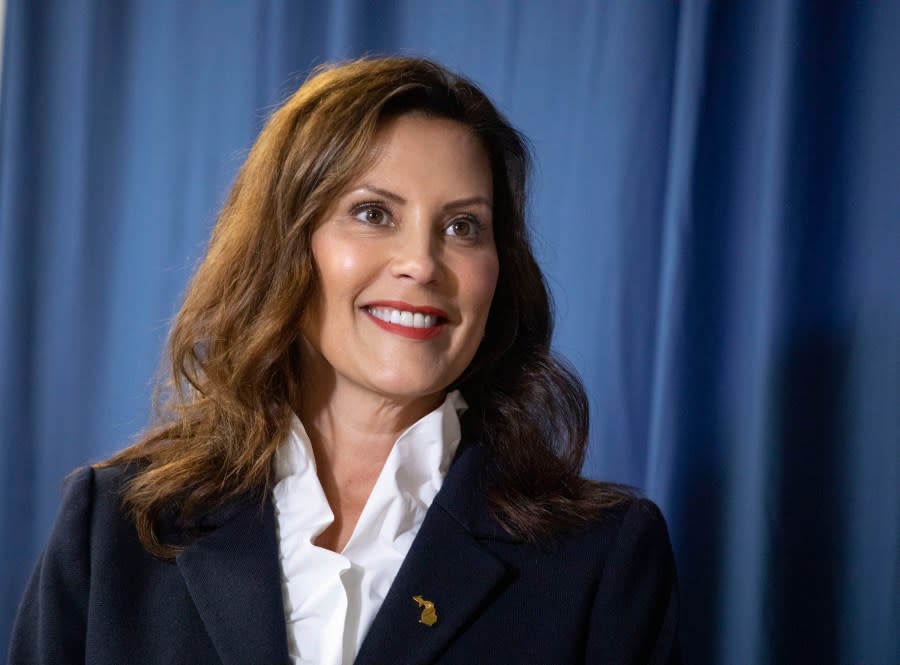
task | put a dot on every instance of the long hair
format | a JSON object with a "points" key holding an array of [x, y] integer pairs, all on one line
{"points": [[234, 369]]}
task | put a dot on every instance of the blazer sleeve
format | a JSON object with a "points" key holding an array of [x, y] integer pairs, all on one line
{"points": [[50, 624], [635, 614]]}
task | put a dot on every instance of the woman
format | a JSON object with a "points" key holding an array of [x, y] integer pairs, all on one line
{"points": [[311, 492]]}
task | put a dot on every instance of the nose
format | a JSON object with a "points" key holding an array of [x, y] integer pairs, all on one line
{"points": [[417, 255]]}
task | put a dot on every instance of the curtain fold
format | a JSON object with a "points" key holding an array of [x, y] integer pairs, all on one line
{"points": [[715, 203]]}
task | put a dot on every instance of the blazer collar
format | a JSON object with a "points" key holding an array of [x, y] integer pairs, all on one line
{"points": [[447, 566], [464, 493], [234, 579]]}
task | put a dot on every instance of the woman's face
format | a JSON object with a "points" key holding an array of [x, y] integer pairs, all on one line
{"points": [[407, 265]]}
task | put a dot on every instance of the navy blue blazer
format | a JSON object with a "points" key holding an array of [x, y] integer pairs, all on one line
{"points": [[605, 593]]}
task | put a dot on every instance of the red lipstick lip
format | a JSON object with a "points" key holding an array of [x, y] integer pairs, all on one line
{"points": [[405, 331], [406, 307]]}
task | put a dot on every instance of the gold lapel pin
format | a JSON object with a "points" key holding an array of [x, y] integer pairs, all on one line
{"points": [[429, 614]]}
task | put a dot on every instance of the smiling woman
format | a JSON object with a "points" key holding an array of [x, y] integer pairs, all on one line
{"points": [[415, 241], [367, 451]]}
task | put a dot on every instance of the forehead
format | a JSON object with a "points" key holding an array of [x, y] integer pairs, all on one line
{"points": [[436, 153]]}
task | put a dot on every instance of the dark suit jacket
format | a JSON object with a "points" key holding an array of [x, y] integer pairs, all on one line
{"points": [[602, 594]]}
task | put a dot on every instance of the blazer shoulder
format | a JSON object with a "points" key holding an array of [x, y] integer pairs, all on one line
{"points": [[636, 605], [91, 498], [633, 517], [108, 478], [641, 518], [91, 479], [50, 624], [92, 494]]}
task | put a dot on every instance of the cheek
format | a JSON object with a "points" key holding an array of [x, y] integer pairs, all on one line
{"points": [[482, 284], [341, 269]]}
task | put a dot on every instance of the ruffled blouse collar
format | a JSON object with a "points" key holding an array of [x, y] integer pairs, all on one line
{"points": [[330, 598]]}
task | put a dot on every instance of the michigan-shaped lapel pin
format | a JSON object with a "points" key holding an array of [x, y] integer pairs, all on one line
{"points": [[429, 614]]}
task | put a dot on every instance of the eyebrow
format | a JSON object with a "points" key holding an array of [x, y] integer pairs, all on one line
{"points": [[458, 203]]}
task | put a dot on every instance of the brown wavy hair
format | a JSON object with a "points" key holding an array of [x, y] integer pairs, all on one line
{"points": [[234, 367]]}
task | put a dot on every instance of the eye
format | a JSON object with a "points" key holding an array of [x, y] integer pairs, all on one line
{"points": [[464, 227], [372, 214]]}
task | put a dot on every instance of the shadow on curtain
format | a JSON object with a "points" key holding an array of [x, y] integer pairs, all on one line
{"points": [[717, 208]]}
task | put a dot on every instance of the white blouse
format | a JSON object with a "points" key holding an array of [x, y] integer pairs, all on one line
{"points": [[330, 598]]}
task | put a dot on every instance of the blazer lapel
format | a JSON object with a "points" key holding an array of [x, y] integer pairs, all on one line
{"points": [[233, 577], [447, 567]]}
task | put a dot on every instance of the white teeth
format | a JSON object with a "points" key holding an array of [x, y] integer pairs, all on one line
{"points": [[402, 318]]}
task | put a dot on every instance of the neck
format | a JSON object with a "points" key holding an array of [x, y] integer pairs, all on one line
{"points": [[341, 417], [352, 432]]}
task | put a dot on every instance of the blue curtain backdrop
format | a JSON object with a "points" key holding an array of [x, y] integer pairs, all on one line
{"points": [[716, 207]]}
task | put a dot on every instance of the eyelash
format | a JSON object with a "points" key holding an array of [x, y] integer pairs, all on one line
{"points": [[477, 226], [384, 209], [371, 205]]}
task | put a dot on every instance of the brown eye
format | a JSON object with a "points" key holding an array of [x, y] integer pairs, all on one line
{"points": [[463, 228], [371, 215]]}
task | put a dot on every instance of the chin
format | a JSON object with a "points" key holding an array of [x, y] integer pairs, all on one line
{"points": [[403, 385], [410, 391]]}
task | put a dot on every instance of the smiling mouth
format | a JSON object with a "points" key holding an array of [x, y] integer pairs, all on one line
{"points": [[412, 322], [403, 318]]}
